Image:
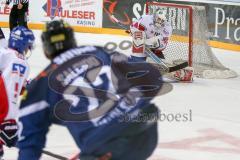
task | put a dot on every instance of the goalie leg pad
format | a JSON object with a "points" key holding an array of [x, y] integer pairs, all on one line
{"points": [[185, 74], [138, 47]]}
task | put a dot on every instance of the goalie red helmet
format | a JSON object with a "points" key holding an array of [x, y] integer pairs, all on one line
{"points": [[57, 38]]}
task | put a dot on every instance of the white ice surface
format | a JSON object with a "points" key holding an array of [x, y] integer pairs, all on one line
{"points": [[213, 133]]}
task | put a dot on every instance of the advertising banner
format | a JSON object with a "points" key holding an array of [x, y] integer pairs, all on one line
{"points": [[4, 12], [76, 12], [84, 13], [124, 10], [223, 21]]}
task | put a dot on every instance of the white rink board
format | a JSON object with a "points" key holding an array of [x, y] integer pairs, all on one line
{"points": [[213, 133]]}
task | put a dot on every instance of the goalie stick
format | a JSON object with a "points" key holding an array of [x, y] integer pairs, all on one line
{"points": [[163, 66]]}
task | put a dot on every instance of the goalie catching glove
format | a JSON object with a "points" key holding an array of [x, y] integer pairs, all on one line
{"points": [[8, 132]]}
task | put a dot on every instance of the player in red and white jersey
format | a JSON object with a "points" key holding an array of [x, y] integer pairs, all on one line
{"points": [[14, 71], [154, 32]]}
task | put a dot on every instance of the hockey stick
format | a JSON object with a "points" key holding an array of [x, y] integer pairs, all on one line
{"points": [[57, 156], [164, 67], [118, 22], [54, 155]]}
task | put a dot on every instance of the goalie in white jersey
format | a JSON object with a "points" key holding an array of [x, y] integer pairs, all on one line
{"points": [[14, 71], [154, 32]]}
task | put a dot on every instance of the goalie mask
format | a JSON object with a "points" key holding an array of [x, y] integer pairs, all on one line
{"points": [[159, 19], [57, 38]]}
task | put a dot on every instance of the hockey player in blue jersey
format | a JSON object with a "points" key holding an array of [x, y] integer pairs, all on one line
{"points": [[89, 91]]}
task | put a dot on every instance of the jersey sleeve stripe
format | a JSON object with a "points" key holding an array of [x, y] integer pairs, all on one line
{"points": [[33, 108]]}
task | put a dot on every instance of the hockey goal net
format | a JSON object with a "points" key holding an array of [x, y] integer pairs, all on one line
{"points": [[189, 41]]}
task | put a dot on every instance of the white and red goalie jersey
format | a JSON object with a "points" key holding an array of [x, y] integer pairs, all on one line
{"points": [[14, 70], [146, 34]]}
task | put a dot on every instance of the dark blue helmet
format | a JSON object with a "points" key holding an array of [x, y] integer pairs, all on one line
{"points": [[21, 39], [57, 37]]}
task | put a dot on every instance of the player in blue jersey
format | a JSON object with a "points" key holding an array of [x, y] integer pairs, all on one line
{"points": [[88, 90]]}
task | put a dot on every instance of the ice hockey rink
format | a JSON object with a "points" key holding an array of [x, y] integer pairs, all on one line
{"points": [[213, 132]]}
